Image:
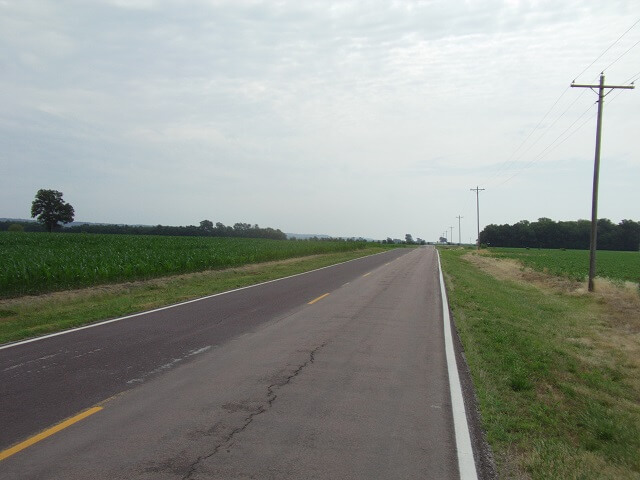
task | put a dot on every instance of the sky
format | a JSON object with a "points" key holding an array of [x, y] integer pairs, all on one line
{"points": [[349, 118]]}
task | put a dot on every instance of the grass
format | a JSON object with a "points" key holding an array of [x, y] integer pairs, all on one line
{"points": [[34, 263], [31, 316], [574, 264], [556, 376]]}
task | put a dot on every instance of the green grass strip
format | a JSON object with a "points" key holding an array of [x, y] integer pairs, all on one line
{"points": [[554, 405]]}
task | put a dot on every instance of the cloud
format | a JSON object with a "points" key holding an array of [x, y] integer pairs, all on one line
{"points": [[325, 103]]}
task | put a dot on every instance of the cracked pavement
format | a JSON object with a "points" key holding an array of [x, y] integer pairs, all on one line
{"points": [[271, 397], [353, 386]]}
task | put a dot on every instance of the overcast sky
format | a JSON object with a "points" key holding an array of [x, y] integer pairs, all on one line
{"points": [[365, 118]]}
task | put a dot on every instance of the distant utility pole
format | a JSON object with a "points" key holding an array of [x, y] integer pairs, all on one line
{"points": [[596, 173], [478, 190], [459, 231]]}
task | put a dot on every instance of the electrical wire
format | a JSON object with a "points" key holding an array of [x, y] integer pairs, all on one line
{"points": [[607, 49], [627, 51], [513, 160], [508, 160], [503, 167], [551, 147]]}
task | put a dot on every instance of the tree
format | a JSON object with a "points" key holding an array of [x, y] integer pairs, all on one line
{"points": [[51, 209], [206, 226], [408, 238]]}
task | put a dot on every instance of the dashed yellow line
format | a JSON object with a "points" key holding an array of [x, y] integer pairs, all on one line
{"points": [[317, 299], [47, 433]]}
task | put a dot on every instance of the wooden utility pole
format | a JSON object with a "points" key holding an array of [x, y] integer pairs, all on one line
{"points": [[596, 174], [478, 190], [459, 232]]}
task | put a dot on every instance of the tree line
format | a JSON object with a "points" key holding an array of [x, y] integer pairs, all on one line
{"points": [[244, 230], [52, 212], [546, 233]]}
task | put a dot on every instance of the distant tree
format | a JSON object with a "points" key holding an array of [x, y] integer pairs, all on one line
{"points": [[51, 209], [15, 227], [206, 226], [408, 238], [629, 235]]}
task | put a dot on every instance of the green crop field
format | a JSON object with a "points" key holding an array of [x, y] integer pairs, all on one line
{"points": [[575, 263], [33, 263]]}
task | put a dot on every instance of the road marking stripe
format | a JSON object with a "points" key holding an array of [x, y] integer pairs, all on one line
{"points": [[105, 322], [366, 274], [316, 299], [466, 464], [48, 432]]}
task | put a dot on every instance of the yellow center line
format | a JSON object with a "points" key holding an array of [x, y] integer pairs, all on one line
{"points": [[316, 299], [366, 274], [47, 433]]}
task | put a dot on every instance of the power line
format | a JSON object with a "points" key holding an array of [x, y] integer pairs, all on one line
{"points": [[504, 166], [627, 51], [478, 190], [497, 172], [607, 49], [630, 81], [551, 147], [596, 174]]}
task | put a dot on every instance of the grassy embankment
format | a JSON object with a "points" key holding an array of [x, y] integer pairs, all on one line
{"points": [[556, 370], [151, 266]]}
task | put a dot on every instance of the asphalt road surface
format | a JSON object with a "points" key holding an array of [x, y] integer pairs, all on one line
{"points": [[338, 373]]}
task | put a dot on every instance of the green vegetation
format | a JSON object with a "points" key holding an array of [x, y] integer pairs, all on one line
{"points": [[545, 233], [51, 210], [31, 316], [574, 264], [557, 377], [33, 263]]}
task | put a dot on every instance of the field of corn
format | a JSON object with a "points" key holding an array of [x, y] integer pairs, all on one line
{"points": [[574, 264], [33, 263]]}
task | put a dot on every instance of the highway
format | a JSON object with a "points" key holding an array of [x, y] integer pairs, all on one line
{"points": [[338, 373]]}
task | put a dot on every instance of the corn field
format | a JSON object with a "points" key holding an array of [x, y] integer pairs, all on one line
{"points": [[33, 263]]}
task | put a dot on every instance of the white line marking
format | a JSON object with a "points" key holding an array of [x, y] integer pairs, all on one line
{"points": [[105, 322], [466, 464]]}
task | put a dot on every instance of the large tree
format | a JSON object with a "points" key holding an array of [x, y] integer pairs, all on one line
{"points": [[51, 209]]}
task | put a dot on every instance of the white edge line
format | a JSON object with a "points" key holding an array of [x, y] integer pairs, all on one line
{"points": [[105, 322], [466, 463]]}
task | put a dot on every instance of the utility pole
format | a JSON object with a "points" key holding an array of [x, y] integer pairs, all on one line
{"points": [[596, 173], [478, 190], [459, 231]]}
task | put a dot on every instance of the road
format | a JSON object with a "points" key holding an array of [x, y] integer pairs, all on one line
{"points": [[339, 373]]}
